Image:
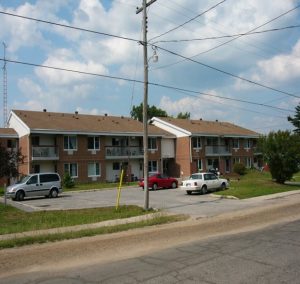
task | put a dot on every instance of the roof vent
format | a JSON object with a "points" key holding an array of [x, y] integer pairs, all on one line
{"points": [[44, 110], [76, 112], [105, 114], [217, 120], [200, 119]]}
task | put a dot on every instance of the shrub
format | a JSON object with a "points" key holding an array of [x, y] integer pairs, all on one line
{"points": [[68, 182], [239, 168]]}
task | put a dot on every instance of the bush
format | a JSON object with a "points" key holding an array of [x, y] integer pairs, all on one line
{"points": [[239, 168], [68, 182]]}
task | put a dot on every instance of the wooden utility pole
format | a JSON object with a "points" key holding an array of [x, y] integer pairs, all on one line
{"points": [[145, 103]]}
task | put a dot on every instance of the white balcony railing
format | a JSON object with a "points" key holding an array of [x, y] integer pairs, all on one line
{"points": [[115, 151], [217, 150], [45, 153]]}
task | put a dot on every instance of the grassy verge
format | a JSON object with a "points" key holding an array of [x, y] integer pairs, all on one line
{"points": [[13, 220], [254, 184], [88, 233]]}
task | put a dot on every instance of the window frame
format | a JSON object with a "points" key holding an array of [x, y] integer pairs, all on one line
{"points": [[95, 169], [152, 141], [94, 142], [69, 170], [196, 142], [152, 166], [68, 142], [237, 140]]}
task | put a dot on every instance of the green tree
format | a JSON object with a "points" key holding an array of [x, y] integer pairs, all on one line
{"points": [[185, 115], [296, 119], [137, 112], [281, 151], [9, 161], [68, 182]]}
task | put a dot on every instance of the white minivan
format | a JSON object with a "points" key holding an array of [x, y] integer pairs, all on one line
{"points": [[41, 184]]}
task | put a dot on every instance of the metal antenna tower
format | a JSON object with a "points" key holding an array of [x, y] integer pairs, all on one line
{"points": [[4, 87]]}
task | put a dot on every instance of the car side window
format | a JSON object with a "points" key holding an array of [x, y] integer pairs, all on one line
{"points": [[206, 177], [213, 177], [33, 180]]}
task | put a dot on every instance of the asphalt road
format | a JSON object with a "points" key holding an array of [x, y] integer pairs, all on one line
{"points": [[170, 200], [270, 255]]}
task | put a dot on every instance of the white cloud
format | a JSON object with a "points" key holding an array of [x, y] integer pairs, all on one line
{"points": [[66, 59]]}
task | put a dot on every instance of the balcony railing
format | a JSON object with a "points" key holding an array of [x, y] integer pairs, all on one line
{"points": [[115, 151], [45, 153], [217, 150]]}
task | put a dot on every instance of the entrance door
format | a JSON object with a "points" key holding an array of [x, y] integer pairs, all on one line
{"points": [[227, 165]]}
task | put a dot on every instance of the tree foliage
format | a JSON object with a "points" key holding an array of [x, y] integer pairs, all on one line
{"points": [[184, 115], [9, 161], [239, 169], [281, 151], [137, 112], [296, 120]]}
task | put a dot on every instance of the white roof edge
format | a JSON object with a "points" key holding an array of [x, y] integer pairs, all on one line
{"points": [[169, 126], [12, 113]]}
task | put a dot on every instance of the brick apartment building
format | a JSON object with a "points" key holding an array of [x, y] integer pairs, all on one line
{"points": [[90, 147], [203, 145], [94, 148]]}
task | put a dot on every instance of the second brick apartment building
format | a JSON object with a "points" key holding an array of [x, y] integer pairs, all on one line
{"points": [[94, 148]]}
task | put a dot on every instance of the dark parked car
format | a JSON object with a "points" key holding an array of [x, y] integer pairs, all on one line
{"points": [[157, 180]]}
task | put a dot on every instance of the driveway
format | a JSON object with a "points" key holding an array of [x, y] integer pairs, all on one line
{"points": [[170, 200]]}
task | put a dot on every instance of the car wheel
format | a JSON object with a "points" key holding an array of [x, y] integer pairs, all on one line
{"points": [[223, 186], [20, 195], [53, 193], [154, 186], [174, 185], [188, 192], [204, 189]]}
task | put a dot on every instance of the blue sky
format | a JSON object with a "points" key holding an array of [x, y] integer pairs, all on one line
{"points": [[270, 58]]}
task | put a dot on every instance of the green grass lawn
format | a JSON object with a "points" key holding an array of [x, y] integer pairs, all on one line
{"points": [[13, 220], [256, 183]]}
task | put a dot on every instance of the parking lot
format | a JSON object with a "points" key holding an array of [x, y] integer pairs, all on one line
{"points": [[170, 200]]}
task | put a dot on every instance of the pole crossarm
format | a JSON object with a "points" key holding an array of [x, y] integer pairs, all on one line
{"points": [[138, 10]]}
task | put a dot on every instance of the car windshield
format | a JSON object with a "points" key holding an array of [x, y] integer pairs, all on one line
{"points": [[196, 176], [24, 179]]}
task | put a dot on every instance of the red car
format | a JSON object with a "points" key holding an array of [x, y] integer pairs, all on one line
{"points": [[157, 180]]}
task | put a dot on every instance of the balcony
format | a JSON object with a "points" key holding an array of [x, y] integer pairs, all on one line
{"points": [[44, 153], [217, 150], [112, 152]]}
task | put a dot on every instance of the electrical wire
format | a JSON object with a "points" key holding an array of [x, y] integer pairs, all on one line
{"points": [[226, 42], [68, 26], [142, 82], [190, 20], [227, 36]]}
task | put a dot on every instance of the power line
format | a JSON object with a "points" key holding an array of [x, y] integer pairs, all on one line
{"points": [[228, 36], [222, 44], [190, 20], [228, 73], [130, 39], [142, 82], [68, 26]]}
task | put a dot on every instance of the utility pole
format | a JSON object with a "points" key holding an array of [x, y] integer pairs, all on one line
{"points": [[4, 87], [145, 103]]}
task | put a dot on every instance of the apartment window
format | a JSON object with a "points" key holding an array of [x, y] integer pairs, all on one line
{"points": [[11, 144], [236, 143], [35, 140], [116, 166], [236, 160], [94, 143], [199, 164], [197, 142], [72, 169], [152, 143], [248, 163], [70, 142], [152, 166], [93, 169], [247, 144]]}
